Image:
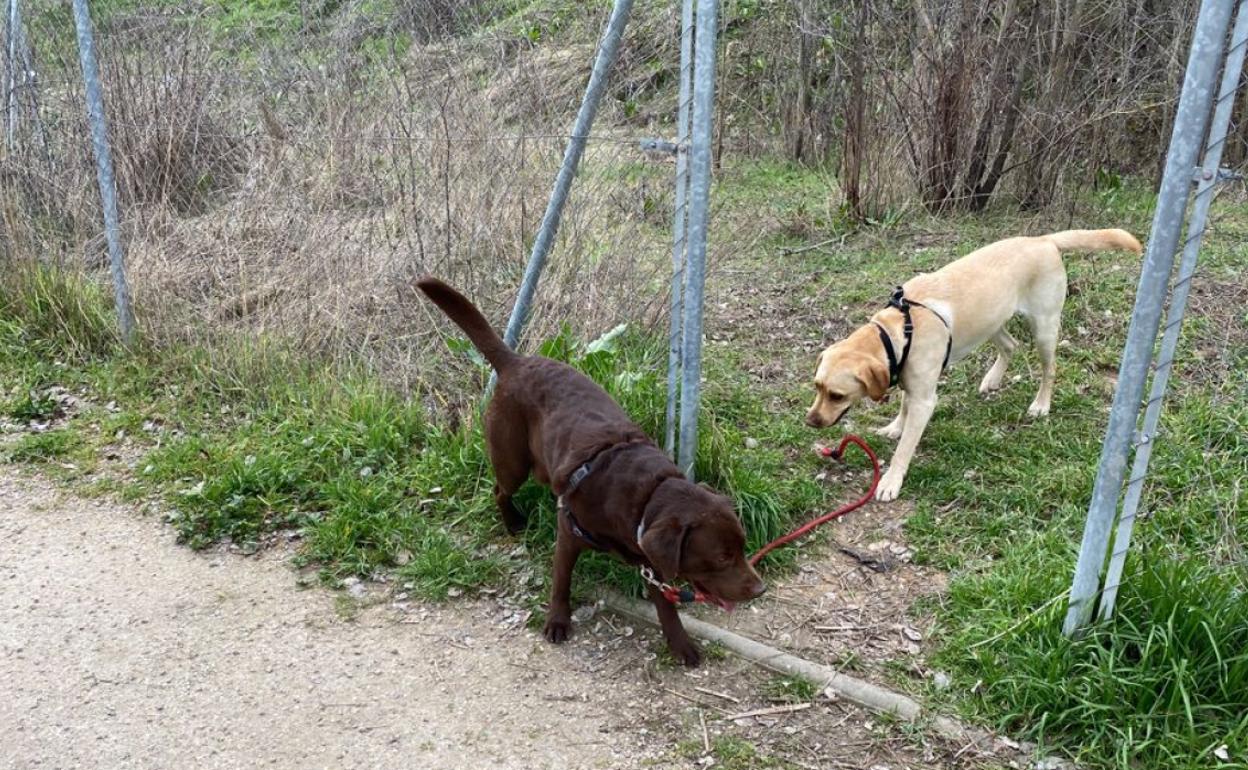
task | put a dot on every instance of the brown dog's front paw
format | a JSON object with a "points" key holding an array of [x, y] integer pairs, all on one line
{"points": [[558, 629], [514, 519], [686, 652]]}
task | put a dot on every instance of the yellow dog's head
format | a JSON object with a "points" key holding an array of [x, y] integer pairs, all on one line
{"points": [[847, 372]]}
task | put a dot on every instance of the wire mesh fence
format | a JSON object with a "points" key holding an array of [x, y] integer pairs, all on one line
{"points": [[296, 184], [286, 170]]}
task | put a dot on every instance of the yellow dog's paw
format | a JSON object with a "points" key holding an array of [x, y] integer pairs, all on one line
{"points": [[889, 488]]}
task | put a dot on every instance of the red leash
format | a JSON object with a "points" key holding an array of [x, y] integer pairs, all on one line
{"points": [[679, 595], [835, 454]]}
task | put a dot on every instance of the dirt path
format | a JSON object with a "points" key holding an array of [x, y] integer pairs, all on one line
{"points": [[120, 649]]}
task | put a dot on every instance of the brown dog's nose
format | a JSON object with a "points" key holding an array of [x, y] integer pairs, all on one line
{"points": [[759, 588]]}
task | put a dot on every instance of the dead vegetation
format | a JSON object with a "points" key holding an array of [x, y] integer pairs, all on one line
{"points": [[288, 172]]}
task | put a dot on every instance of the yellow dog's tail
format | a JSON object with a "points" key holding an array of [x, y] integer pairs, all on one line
{"points": [[1094, 240]]}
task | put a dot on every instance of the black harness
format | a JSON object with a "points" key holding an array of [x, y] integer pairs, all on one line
{"points": [[895, 364], [574, 480]]}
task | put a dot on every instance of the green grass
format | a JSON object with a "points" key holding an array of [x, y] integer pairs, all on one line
{"points": [[792, 689], [250, 439], [731, 753], [1000, 499], [254, 437], [42, 447]]}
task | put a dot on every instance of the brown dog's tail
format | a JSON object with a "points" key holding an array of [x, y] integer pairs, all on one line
{"points": [[467, 317], [1094, 240]]}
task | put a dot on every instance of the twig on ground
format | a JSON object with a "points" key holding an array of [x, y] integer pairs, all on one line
{"points": [[706, 738], [723, 695], [840, 240], [768, 711], [692, 699], [1029, 617]]}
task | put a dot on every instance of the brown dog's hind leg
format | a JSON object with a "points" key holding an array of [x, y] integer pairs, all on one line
{"points": [[683, 648], [568, 548], [509, 455]]}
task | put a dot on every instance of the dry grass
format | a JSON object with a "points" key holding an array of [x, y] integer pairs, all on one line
{"points": [[299, 196]]}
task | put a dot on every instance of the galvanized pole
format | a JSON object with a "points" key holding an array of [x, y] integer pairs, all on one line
{"points": [[1207, 181], [679, 220], [14, 54], [104, 168], [699, 204], [607, 51], [1208, 44]]}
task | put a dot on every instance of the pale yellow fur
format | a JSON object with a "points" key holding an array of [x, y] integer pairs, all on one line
{"points": [[976, 295]]}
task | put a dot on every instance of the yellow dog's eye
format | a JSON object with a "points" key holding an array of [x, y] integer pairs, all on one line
{"points": [[836, 396]]}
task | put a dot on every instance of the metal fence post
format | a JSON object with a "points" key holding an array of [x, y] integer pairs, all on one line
{"points": [[699, 202], [1208, 43], [14, 54], [607, 51], [679, 219], [1207, 181], [104, 168]]}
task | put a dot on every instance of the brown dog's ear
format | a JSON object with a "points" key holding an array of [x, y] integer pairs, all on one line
{"points": [[874, 377], [664, 544]]}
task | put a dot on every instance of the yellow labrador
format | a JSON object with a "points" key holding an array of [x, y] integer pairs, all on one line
{"points": [[937, 318]]}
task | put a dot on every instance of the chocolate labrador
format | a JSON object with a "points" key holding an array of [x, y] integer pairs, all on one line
{"points": [[617, 491]]}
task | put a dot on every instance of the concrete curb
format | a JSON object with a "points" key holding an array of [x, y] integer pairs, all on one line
{"points": [[869, 696], [857, 691]]}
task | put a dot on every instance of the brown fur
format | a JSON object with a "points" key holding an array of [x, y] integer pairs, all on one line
{"points": [[976, 295], [547, 419]]}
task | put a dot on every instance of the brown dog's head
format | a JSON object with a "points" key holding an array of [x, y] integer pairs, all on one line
{"points": [[847, 372], [693, 533]]}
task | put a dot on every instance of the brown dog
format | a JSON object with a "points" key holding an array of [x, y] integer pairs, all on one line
{"points": [[937, 318], [618, 492]]}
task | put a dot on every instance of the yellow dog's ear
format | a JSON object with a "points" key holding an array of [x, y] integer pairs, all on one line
{"points": [[873, 375]]}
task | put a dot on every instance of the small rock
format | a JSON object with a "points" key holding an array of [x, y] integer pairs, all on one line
{"points": [[941, 681], [583, 613], [1222, 753], [912, 634], [751, 443], [402, 557], [365, 472], [454, 592], [355, 587]]}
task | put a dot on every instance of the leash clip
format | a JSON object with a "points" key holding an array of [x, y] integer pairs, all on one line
{"points": [[670, 592]]}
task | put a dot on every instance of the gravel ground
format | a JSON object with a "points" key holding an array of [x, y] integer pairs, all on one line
{"points": [[120, 649]]}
